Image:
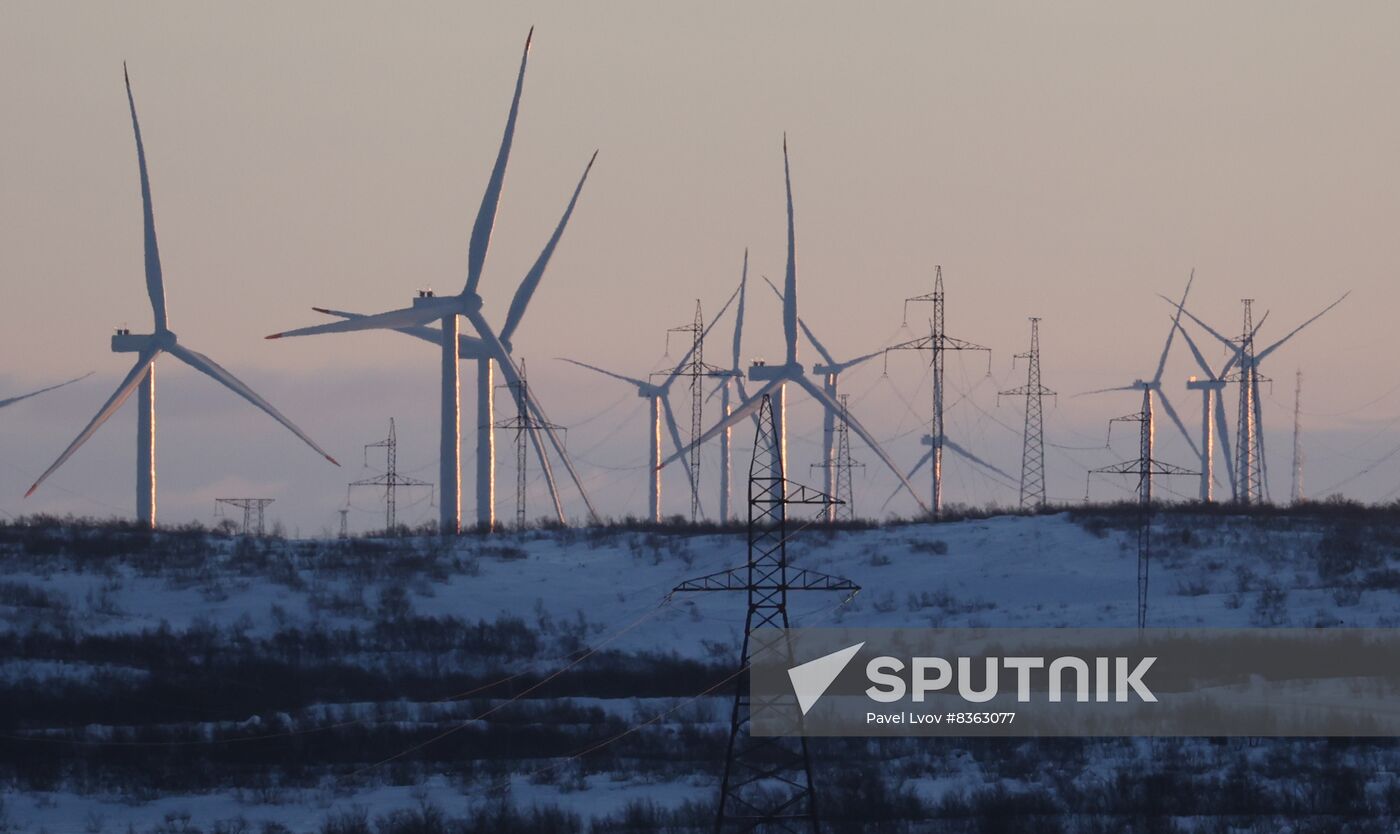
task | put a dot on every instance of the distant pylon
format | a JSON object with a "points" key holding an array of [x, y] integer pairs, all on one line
{"points": [[843, 487], [767, 783], [1297, 496], [344, 523], [391, 480], [526, 427], [937, 343], [697, 370], [1249, 464], [252, 512], [1144, 467], [1033, 439]]}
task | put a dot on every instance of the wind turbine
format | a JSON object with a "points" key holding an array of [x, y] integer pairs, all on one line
{"points": [[830, 371], [1152, 386], [658, 397], [149, 346], [428, 307], [1251, 470], [775, 378], [13, 400], [1212, 416]]}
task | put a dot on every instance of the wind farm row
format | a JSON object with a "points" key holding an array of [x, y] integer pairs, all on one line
{"points": [[460, 329]]}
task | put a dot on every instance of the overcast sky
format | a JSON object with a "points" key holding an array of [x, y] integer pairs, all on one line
{"points": [[1065, 160]]}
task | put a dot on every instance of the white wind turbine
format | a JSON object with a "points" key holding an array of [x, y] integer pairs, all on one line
{"points": [[1213, 422], [658, 397], [776, 377], [148, 346], [1152, 386], [732, 376], [428, 308], [1249, 435]]}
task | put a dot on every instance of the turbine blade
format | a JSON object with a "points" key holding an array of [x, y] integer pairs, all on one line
{"points": [[538, 408], [1176, 324], [213, 369], [1276, 345], [468, 347], [628, 379], [739, 314], [1196, 352], [811, 337], [155, 285], [825, 399], [527, 287], [748, 407], [13, 400], [486, 215], [392, 320], [114, 402], [957, 448], [1211, 330], [790, 279], [1222, 431], [1108, 390], [928, 456], [841, 367], [1171, 412]]}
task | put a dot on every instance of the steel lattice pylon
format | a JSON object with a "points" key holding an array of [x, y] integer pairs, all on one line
{"points": [[1033, 441], [391, 480], [1249, 464], [937, 343], [252, 512], [526, 425], [843, 489], [1144, 467], [767, 783]]}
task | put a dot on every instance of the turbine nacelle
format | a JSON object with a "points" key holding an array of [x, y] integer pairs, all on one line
{"points": [[1195, 384], [465, 304], [763, 371], [124, 341]]}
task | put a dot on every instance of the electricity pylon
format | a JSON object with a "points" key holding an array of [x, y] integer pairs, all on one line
{"points": [[1250, 480], [1144, 467], [252, 512], [843, 492], [391, 480], [525, 425], [1033, 439], [697, 370], [767, 783], [937, 343]]}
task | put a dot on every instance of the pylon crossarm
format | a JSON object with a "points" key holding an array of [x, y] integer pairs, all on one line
{"points": [[736, 579], [1160, 468], [800, 494]]}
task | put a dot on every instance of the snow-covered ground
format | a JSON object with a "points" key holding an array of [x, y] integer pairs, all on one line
{"points": [[614, 589]]}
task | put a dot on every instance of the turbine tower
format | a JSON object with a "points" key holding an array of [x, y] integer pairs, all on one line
{"points": [[733, 377], [427, 308], [149, 346], [1153, 386], [1251, 468], [657, 395], [937, 343], [1213, 422], [1297, 492], [1033, 438], [775, 378]]}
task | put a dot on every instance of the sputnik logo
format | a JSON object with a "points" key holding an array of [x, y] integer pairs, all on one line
{"points": [[812, 678]]}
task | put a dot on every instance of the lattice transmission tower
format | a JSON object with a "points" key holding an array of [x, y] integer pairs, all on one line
{"points": [[390, 480], [937, 343], [767, 783], [697, 371], [1144, 467], [527, 428], [252, 512], [843, 486], [1250, 486], [1033, 440]]}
